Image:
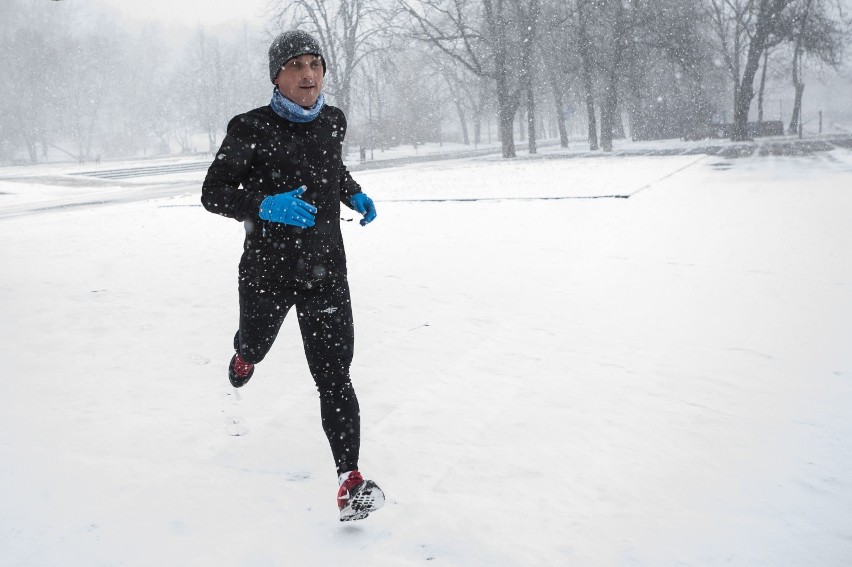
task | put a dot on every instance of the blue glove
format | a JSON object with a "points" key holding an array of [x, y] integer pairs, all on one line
{"points": [[287, 208], [365, 206]]}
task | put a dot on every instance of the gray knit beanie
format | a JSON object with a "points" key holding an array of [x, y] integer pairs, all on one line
{"points": [[291, 44]]}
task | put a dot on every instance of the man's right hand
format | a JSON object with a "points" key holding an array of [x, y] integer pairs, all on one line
{"points": [[287, 208]]}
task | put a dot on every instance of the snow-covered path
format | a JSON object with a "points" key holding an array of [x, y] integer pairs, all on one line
{"points": [[660, 380]]}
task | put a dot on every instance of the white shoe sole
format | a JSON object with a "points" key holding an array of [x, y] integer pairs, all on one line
{"points": [[368, 497]]}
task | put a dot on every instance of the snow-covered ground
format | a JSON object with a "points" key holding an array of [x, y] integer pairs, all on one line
{"points": [[544, 379]]}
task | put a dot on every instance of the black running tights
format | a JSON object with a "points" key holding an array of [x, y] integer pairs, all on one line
{"points": [[325, 320]]}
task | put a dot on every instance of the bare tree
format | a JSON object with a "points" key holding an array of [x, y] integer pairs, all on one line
{"points": [[818, 33], [761, 91], [149, 111], [415, 114], [459, 94], [801, 25], [528, 15], [558, 35], [348, 31], [27, 105], [28, 55], [585, 48], [615, 46], [374, 75], [744, 30], [490, 38], [216, 79], [681, 56], [88, 68]]}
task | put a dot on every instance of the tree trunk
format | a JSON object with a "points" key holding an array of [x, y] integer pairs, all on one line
{"points": [[560, 113], [610, 102], [745, 93], [796, 120], [617, 124], [635, 114], [606, 127], [507, 133], [739, 130], [798, 85], [506, 109], [586, 57], [522, 133], [478, 114], [507, 105], [608, 109], [380, 121], [531, 121], [31, 150], [762, 86], [477, 128], [768, 21], [463, 122], [593, 123]]}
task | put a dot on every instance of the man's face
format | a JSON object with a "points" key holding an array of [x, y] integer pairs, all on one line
{"points": [[300, 79]]}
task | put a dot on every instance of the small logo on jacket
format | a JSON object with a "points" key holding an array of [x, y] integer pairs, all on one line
{"points": [[329, 310]]}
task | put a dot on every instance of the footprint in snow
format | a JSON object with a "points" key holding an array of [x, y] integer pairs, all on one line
{"points": [[235, 426]]}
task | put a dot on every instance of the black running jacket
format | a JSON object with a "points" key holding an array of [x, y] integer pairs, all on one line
{"points": [[264, 154]]}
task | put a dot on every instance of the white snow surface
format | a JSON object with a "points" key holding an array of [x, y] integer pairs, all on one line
{"points": [[544, 380]]}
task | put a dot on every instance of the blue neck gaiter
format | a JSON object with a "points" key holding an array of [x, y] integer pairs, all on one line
{"points": [[289, 110]]}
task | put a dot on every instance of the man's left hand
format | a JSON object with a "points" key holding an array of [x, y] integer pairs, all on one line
{"points": [[364, 205]]}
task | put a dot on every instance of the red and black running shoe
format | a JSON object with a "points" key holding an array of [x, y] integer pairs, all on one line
{"points": [[358, 497], [239, 371]]}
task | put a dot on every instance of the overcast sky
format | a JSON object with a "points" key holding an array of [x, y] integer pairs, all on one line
{"points": [[188, 12]]}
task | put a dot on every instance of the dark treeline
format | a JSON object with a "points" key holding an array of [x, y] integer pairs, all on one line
{"points": [[82, 86]]}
